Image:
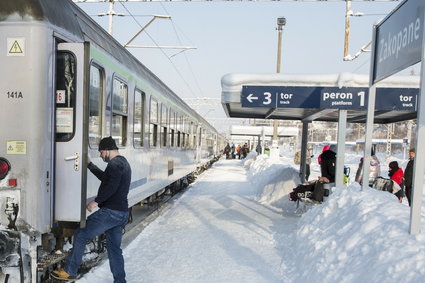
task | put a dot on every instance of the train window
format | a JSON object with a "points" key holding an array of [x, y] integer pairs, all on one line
{"points": [[65, 96], [119, 112], [138, 123], [178, 126], [183, 144], [191, 135], [195, 129], [178, 139], [164, 125], [200, 136], [172, 127], [95, 106], [153, 123]]}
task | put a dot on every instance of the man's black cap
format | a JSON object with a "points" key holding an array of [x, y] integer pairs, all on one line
{"points": [[107, 143]]}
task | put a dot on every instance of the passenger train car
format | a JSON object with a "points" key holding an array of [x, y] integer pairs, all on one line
{"points": [[65, 84]]}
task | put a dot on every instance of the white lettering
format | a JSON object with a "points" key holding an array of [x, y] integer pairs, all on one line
{"points": [[267, 98], [337, 95], [286, 95], [405, 98], [417, 28], [337, 103], [392, 45], [381, 51], [399, 42]]}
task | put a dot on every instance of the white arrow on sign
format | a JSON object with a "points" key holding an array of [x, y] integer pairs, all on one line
{"points": [[250, 97]]}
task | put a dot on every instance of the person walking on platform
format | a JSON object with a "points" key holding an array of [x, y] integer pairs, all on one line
{"points": [[408, 175], [258, 149], [227, 151], [109, 219], [245, 150], [233, 151], [238, 151]]}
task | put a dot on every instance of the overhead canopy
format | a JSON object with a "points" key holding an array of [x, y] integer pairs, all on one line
{"points": [[397, 101]]}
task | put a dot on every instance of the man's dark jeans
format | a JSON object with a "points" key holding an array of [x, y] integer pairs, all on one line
{"points": [[108, 221]]}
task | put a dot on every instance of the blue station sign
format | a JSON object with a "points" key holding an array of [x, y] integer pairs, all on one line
{"points": [[398, 99], [398, 39], [303, 97], [328, 97]]}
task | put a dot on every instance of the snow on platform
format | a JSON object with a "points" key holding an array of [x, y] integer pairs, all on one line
{"points": [[236, 224]]}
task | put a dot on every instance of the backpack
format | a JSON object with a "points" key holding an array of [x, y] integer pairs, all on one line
{"points": [[302, 191], [383, 184], [319, 191]]}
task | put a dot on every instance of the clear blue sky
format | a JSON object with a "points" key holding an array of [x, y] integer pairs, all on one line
{"points": [[241, 37]]}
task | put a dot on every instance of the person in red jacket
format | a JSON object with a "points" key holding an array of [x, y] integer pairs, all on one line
{"points": [[396, 174]]}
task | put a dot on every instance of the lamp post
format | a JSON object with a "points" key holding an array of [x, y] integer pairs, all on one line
{"points": [[281, 22]]}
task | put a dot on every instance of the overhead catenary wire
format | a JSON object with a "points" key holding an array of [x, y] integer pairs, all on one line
{"points": [[180, 42], [163, 52]]}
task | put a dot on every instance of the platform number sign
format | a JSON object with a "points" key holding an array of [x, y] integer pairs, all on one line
{"points": [[303, 97], [327, 97], [255, 98]]}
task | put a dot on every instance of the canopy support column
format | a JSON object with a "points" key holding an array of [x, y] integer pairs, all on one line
{"points": [[340, 154], [419, 165], [304, 141]]}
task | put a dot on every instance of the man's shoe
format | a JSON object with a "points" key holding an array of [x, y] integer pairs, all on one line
{"points": [[61, 274]]}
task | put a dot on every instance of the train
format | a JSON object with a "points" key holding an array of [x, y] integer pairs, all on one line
{"points": [[65, 84]]}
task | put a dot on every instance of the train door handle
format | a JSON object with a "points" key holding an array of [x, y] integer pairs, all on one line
{"points": [[76, 158]]}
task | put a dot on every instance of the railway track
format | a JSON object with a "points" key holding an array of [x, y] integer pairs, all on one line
{"points": [[141, 216]]}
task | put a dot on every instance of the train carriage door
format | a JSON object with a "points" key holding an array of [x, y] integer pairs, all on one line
{"points": [[71, 134]]}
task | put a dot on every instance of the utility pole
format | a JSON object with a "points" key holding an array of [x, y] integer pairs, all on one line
{"points": [[274, 153], [390, 133]]}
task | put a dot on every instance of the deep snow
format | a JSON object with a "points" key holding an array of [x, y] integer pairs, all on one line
{"points": [[236, 224]]}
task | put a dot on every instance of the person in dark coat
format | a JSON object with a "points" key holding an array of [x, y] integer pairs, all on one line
{"points": [[408, 175], [325, 148], [232, 151], [227, 151], [327, 168], [111, 217], [327, 165], [245, 150]]}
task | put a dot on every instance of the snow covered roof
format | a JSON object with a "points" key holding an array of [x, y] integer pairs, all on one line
{"points": [[232, 85]]}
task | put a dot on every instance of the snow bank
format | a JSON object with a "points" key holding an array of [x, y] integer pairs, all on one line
{"points": [[359, 236], [274, 180], [355, 236]]}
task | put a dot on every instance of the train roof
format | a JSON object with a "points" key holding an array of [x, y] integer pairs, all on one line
{"points": [[68, 17]]}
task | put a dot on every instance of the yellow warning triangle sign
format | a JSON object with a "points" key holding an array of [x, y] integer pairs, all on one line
{"points": [[15, 48]]}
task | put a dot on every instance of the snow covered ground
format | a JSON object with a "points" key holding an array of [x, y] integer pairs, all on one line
{"points": [[236, 224]]}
